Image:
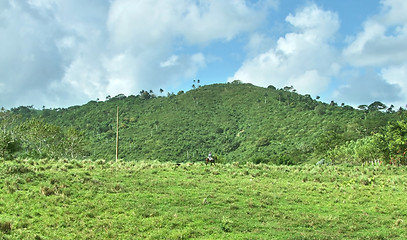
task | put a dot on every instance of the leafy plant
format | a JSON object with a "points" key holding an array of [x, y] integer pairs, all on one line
{"points": [[393, 142]]}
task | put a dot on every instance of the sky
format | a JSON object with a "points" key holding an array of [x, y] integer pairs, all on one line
{"points": [[60, 53]]}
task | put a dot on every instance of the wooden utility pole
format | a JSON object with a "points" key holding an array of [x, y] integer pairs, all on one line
{"points": [[117, 134]]}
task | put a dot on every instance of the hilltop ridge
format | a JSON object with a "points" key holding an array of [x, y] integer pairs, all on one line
{"points": [[237, 122]]}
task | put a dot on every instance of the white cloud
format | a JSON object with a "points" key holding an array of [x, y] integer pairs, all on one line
{"points": [[258, 43], [46, 4], [381, 45], [110, 47], [316, 22], [41, 43], [55, 58], [218, 20], [307, 59], [383, 40], [397, 76], [170, 62], [303, 58], [68, 52], [147, 32], [148, 22]]}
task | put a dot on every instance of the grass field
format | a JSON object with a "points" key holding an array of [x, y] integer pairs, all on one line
{"points": [[45, 199]]}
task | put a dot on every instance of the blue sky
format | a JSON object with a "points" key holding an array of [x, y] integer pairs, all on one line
{"points": [[58, 53]]}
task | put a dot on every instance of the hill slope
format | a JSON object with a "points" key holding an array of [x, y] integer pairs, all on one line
{"points": [[237, 122]]}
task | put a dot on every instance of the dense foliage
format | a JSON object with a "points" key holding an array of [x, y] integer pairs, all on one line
{"points": [[39, 139], [237, 122], [389, 144]]}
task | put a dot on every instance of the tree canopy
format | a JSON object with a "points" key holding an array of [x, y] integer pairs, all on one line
{"points": [[238, 122]]}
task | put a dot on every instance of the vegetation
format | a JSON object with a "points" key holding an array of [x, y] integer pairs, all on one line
{"points": [[389, 144], [265, 184], [72, 199], [238, 122]]}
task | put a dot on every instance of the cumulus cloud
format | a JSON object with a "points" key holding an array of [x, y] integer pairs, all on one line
{"points": [[40, 40], [196, 22], [366, 87], [383, 40], [381, 45], [303, 58], [371, 67], [68, 52], [258, 44], [59, 53], [397, 76], [150, 30]]}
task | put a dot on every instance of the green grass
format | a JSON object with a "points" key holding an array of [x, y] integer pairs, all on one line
{"points": [[44, 199]]}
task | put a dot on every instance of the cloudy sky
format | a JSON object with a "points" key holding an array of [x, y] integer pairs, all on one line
{"points": [[58, 53]]}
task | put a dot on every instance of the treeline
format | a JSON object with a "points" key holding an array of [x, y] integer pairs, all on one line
{"points": [[237, 122], [35, 138], [389, 145]]}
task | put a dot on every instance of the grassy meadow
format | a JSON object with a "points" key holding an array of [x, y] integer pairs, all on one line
{"points": [[46, 199]]}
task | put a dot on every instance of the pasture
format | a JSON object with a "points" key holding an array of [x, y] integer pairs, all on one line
{"points": [[69, 199]]}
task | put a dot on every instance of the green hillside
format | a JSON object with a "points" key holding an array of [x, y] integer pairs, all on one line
{"points": [[237, 122]]}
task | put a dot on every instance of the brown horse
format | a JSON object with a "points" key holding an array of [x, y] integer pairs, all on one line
{"points": [[211, 161]]}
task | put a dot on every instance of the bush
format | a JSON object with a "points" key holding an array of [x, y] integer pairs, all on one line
{"points": [[17, 169], [230, 147], [393, 143], [284, 160], [390, 145], [6, 227], [226, 224], [356, 152], [262, 142], [258, 159], [219, 130], [8, 145]]}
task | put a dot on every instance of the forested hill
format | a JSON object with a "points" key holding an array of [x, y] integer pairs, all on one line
{"points": [[236, 122]]}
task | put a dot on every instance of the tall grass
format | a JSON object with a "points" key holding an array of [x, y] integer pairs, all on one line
{"points": [[45, 199]]}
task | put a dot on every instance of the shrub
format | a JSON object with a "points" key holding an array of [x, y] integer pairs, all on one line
{"points": [[258, 159], [47, 191], [6, 227], [226, 224], [17, 169], [393, 142], [356, 152], [262, 142], [230, 147], [284, 160]]}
